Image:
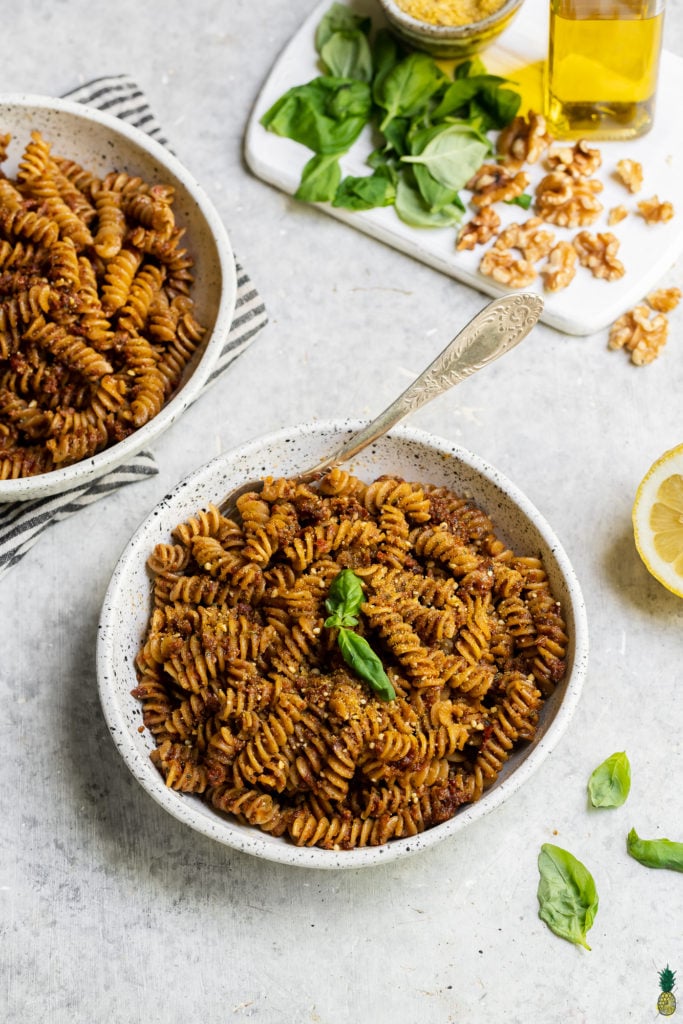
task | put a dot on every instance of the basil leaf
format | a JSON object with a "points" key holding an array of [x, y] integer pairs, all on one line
{"points": [[461, 91], [347, 55], [408, 86], [359, 656], [524, 201], [452, 156], [610, 783], [655, 853], [386, 54], [412, 209], [568, 899], [396, 133], [339, 18], [327, 114], [474, 67], [435, 195], [319, 179], [345, 595], [368, 191]]}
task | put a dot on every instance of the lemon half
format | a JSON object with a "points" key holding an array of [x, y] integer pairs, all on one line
{"points": [[658, 519]]}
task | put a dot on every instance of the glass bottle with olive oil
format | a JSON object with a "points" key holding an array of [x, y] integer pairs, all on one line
{"points": [[603, 64]]}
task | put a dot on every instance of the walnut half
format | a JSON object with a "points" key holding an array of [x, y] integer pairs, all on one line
{"points": [[503, 266], [493, 183], [567, 202], [579, 160], [640, 334], [560, 268], [599, 254], [524, 140], [654, 212], [479, 230]]}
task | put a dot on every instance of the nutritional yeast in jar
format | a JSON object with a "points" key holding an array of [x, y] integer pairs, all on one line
{"points": [[602, 66]]}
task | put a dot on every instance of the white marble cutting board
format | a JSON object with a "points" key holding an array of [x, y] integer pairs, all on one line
{"points": [[588, 304]]}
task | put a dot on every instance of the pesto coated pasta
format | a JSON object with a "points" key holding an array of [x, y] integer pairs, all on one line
{"points": [[96, 320], [251, 705]]}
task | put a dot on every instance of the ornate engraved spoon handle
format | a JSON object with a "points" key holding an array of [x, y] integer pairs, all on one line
{"points": [[494, 331]]}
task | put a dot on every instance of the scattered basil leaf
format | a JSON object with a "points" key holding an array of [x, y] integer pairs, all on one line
{"points": [[368, 191], [344, 598], [339, 18], [408, 86], [524, 201], [452, 156], [655, 853], [610, 783], [320, 179], [327, 114], [396, 134], [347, 55], [359, 656], [568, 899]]}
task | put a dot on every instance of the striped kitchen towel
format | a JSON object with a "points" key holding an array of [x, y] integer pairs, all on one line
{"points": [[22, 522]]}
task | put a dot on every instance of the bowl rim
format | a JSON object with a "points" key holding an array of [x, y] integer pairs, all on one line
{"points": [[414, 25], [75, 476], [284, 852]]}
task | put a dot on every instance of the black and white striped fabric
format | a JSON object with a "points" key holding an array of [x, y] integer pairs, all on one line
{"points": [[21, 522]]}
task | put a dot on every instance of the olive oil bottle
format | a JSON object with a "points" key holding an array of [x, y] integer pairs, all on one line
{"points": [[603, 64]]}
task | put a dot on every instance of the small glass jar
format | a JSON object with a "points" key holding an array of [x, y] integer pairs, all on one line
{"points": [[603, 65]]}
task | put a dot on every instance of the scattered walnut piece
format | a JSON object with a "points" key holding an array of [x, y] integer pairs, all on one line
{"points": [[529, 237], [560, 269], [524, 140], [641, 335], [504, 267], [654, 212], [599, 254], [562, 200], [493, 183], [664, 299], [630, 173], [579, 160], [479, 230], [616, 214]]}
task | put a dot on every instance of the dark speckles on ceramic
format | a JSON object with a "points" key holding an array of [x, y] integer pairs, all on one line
{"points": [[409, 453], [101, 143]]}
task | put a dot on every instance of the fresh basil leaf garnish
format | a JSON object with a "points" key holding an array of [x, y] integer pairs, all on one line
{"points": [[567, 896], [610, 783], [345, 595], [359, 656], [655, 853], [343, 602]]}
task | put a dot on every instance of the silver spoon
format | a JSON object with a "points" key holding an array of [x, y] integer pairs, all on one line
{"points": [[499, 326]]}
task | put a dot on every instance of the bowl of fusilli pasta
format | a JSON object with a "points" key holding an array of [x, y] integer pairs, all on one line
{"points": [[117, 289], [344, 672]]}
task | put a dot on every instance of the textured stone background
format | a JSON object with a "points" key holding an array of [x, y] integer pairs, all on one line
{"points": [[112, 910]]}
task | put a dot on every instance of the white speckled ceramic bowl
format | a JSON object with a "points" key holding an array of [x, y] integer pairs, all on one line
{"points": [[411, 454], [449, 41], [101, 143]]}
